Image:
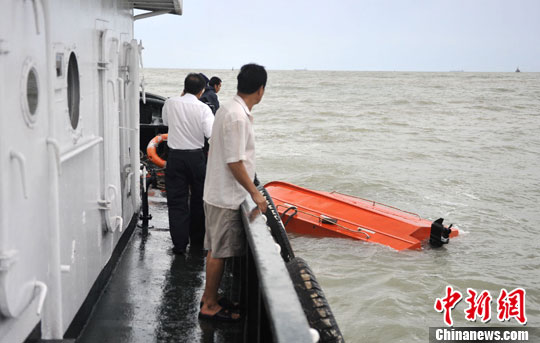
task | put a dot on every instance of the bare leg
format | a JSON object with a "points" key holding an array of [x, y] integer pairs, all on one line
{"points": [[214, 272]]}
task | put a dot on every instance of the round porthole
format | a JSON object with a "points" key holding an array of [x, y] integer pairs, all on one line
{"points": [[32, 91], [29, 92], [73, 90]]}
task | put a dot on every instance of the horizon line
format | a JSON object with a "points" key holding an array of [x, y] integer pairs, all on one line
{"points": [[348, 70]]}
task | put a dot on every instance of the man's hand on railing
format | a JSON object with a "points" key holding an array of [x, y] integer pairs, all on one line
{"points": [[260, 201], [260, 207]]}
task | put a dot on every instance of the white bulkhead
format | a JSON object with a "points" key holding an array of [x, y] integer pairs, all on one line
{"points": [[69, 152]]}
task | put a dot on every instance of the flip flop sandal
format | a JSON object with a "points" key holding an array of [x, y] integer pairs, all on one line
{"points": [[222, 315], [226, 303]]}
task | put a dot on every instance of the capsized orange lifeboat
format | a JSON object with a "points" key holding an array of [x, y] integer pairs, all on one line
{"points": [[338, 215]]}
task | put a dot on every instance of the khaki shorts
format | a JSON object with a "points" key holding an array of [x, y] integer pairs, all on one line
{"points": [[225, 235]]}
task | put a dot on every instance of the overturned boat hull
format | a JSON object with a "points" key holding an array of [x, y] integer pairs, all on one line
{"points": [[334, 214]]}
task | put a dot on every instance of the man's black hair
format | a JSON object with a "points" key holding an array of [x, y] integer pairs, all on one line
{"points": [[194, 83], [251, 78], [214, 81]]}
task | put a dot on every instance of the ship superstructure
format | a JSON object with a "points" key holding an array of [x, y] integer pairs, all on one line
{"points": [[69, 152]]}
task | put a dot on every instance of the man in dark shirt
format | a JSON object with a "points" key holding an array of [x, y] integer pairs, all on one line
{"points": [[210, 94]]}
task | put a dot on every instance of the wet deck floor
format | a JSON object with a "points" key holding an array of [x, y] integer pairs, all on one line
{"points": [[153, 294]]}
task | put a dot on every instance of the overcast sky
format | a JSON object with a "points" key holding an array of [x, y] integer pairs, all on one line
{"points": [[415, 35]]}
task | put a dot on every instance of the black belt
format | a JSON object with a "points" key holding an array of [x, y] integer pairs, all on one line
{"points": [[187, 150]]}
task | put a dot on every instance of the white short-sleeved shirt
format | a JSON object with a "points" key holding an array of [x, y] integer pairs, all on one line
{"points": [[232, 140], [189, 121]]}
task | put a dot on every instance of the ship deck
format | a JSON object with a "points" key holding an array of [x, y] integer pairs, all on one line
{"points": [[153, 294]]}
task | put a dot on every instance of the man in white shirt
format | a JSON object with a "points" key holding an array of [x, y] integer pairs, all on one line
{"points": [[189, 121], [229, 180]]}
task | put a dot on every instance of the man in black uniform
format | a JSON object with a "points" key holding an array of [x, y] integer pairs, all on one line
{"points": [[189, 122]]}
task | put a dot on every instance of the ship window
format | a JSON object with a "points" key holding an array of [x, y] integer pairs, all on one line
{"points": [[73, 90], [32, 92]]}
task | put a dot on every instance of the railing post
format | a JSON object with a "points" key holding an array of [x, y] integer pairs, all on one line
{"points": [[145, 216]]}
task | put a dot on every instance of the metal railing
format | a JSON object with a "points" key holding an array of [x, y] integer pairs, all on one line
{"points": [[273, 311]]}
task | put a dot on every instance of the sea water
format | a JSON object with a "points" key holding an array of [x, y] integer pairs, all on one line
{"points": [[457, 145]]}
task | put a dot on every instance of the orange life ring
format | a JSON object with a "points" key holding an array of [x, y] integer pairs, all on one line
{"points": [[151, 150]]}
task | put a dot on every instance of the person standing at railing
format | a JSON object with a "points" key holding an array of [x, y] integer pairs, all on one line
{"points": [[229, 180], [210, 94], [210, 98], [189, 122]]}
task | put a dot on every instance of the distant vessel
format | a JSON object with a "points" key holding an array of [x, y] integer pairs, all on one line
{"points": [[517, 70]]}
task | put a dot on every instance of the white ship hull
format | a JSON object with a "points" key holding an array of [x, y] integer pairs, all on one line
{"points": [[69, 154]]}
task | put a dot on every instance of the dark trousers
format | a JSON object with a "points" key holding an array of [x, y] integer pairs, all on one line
{"points": [[185, 172]]}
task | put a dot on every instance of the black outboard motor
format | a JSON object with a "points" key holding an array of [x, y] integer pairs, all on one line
{"points": [[439, 233]]}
